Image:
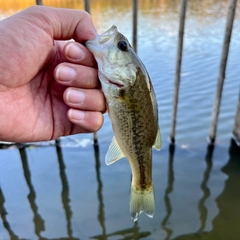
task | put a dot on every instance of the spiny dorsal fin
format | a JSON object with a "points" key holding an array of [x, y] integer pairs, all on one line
{"points": [[114, 153], [158, 142]]}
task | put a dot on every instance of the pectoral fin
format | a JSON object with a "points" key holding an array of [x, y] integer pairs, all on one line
{"points": [[158, 142], [114, 153]]}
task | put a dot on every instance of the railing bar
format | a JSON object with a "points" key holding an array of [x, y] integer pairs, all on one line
{"points": [[222, 71], [135, 22], [236, 128], [183, 7], [87, 5], [39, 2]]}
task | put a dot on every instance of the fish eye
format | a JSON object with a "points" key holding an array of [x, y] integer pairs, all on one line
{"points": [[123, 46]]}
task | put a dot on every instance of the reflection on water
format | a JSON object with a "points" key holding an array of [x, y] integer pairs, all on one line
{"points": [[67, 192], [168, 191], [224, 224], [3, 214], [38, 221], [204, 187]]}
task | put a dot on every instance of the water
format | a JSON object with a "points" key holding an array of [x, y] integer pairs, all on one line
{"points": [[69, 192]]}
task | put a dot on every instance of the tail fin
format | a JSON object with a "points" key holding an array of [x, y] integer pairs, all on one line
{"points": [[142, 201]]}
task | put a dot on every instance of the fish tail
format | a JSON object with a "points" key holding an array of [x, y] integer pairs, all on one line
{"points": [[142, 201]]}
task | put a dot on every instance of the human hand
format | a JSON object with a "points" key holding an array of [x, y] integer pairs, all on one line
{"points": [[48, 85]]}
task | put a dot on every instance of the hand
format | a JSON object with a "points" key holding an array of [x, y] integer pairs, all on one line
{"points": [[48, 84]]}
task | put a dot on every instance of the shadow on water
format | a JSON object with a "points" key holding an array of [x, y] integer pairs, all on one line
{"points": [[226, 223]]}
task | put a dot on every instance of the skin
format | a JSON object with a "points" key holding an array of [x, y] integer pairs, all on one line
{"points": [[48, 84]]}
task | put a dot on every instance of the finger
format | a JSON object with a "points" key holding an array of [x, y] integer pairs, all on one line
{"points": [[88, 120], [74, 75], [76, 53], [63, 24], [85, 99]]}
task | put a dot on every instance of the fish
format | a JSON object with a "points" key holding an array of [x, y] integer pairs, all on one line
{"points": [[133, 110]]}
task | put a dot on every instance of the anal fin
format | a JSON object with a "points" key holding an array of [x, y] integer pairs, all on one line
{"points": [[114, 153]]}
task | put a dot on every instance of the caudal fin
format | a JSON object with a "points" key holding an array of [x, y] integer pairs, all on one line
{"points": [[141, 201]]}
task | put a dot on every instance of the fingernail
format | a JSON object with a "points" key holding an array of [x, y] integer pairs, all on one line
{"points": [[65, 74], [73, 51], [76, 115], [75, 96]]}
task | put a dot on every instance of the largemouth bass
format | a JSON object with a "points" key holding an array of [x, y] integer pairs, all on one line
{"points": [[133, 110]]}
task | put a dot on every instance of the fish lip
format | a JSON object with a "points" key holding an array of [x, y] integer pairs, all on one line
{"points": [[92, 46], [95, 45]]}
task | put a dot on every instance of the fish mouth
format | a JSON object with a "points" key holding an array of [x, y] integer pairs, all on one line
{"points": [[107, 80], [119, 85]]}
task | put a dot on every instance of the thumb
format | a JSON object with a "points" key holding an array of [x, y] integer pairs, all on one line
{"points": [[62, 24]]}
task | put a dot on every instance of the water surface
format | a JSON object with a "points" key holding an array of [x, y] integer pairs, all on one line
{"points": [[69, 192]]}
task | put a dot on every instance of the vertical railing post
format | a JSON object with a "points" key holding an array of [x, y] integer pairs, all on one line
{"points": [[135, 9], [178, 69], [39, 2], [87, 5], [222, 70], [95, 134], [236, 128]]}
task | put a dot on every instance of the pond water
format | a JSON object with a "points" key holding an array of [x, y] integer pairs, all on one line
{"points": [[68, 192]]}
